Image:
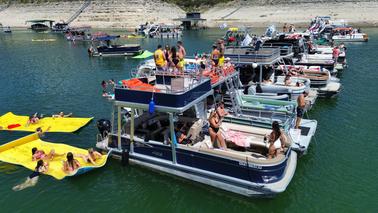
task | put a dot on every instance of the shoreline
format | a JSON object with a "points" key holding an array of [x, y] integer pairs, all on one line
{"points": [[122, 15]]}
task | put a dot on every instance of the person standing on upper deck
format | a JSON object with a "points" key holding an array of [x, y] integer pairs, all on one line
{"points": [[181, 53], [159, 58]]}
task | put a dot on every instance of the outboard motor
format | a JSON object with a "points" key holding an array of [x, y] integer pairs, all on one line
{"points": [[104, 126]]}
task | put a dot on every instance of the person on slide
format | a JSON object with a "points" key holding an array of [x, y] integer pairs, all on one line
{"points": [[32, 179], [41, 155], [71, 164], [91, 157]]}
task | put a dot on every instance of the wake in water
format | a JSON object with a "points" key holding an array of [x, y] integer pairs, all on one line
{"points": [[30, 182]]}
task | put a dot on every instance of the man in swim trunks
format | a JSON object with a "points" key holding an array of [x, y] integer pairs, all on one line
{"points": [[181, 53], [300, 108]]}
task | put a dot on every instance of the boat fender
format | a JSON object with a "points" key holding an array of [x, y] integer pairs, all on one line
{"points": [[151, 106], [125, 158]]}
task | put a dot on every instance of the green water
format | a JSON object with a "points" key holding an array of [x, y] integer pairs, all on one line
{"points": [[337, 175]]}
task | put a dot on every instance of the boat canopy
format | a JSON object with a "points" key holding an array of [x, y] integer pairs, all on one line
{"points": [[39, 21]]}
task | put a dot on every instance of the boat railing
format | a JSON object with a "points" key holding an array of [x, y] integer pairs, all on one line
{"points": [[285, 48], [248, 55]]}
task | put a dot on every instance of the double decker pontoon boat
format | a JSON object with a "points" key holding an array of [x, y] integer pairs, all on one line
{"points": [[149, 139]]}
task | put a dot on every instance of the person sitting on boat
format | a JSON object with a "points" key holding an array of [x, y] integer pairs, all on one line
{"points": [[61, 115], [221, 111], [276, 140], [215, 134], [159, 58], [301, 102], [32, 179], [182, 138], [287, 80], [41, 155], [71, 164], [91, 157], [215, 54]]}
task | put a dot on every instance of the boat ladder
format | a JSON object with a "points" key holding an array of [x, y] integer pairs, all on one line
{"points": [[232, 83]]}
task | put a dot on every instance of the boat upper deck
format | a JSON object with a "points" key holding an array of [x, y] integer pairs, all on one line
{"points": [[247, 55], [174, 95]]}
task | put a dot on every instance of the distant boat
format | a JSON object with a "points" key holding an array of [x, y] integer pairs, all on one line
{"points": [[107, 49], [7, 29]]}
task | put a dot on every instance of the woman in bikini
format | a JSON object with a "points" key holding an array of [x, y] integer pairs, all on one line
{"points": [[32, 179], [276, 140], [41, 155], [71, 164], [91, 157], [215, 134]]}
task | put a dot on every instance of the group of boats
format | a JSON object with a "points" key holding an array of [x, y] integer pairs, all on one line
{"points": [[160, 117]]}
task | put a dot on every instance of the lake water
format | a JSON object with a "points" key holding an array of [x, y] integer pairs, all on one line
{"points": [[338, 174]]}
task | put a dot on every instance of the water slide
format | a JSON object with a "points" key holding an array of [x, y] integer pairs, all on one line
{"points": [[79, 11]]}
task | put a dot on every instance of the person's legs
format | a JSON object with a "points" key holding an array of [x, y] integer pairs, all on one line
{"points": [[298, 122], [28, 183], [272, 151], [221, 141], [213, 135]]}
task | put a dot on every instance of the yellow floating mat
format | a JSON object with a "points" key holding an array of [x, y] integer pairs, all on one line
{"points": [[19, 152], [12, 122]]}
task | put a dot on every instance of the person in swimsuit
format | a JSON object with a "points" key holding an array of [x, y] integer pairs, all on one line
{"points": [[174, 58], [215, 134], [71, 164], [34, 119], [276, 140], [215, 54], [61, 115], [181, 55], [221, 111], [91, 157], [41, 155], [32, 179], [40, 132], [167, 54]]}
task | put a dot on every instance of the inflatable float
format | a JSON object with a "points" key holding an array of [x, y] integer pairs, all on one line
{"points": [[12, 122], [19, 152]]}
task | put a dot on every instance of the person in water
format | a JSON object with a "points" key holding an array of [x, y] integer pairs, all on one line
{"points": [[91, 157], [301, 102], [40, 132], [215, 134], [276, 140], [61, 115], [32, 179], [71, 164]]}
